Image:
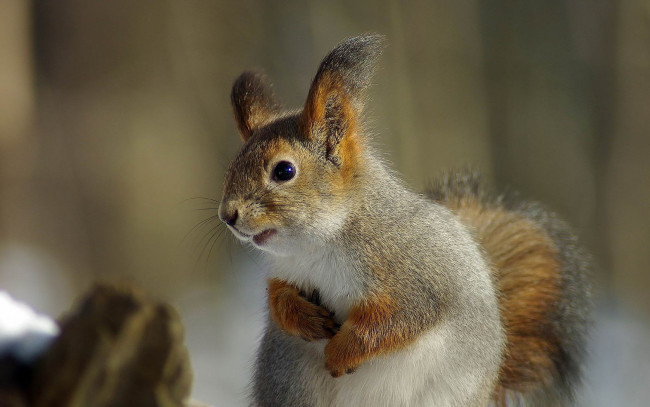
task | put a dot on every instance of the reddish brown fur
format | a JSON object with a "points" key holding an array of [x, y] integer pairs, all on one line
{"points": [[349, 149], [526, 273], [296, 315], [370, 330], [329, 88], [324, 87]]}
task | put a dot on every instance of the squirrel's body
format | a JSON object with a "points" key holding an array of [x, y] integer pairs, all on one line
{"points": [[379, 296], [436, 368]]}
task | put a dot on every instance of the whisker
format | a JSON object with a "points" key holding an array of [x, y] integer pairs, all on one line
{"points": [[230, 240], [210, 233], [204, 198], [198, 225], [217, 236]]}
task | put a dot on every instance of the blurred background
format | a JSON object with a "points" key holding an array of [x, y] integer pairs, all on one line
{"points": [[115, 114]]}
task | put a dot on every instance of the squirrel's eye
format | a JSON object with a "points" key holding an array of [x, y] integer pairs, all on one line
{"points": [[284, 171]]}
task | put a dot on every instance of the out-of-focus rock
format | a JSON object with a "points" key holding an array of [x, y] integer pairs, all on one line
{"points": [[116, 348]]}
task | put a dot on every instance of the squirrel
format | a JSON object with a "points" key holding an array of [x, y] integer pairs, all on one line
{"points": [[380, 296]]}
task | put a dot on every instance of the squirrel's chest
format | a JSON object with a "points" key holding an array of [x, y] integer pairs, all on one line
{"points": [[338, 282]]}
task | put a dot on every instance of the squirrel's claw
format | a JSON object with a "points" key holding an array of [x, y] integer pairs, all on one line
{"points": [[338, 371], [314, 298], [340, 357]]}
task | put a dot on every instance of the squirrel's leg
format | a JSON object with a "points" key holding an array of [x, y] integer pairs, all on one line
{"points": [[373, 328], [297, 315]]}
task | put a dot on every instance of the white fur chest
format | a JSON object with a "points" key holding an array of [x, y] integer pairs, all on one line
{"points": [[433, 371], [455, 363], [328, 271]]}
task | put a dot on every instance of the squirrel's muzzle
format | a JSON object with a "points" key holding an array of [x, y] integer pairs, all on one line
{"points": [[228, 213]]}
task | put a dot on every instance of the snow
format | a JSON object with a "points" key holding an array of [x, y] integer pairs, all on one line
{"points": [[23, 333]]}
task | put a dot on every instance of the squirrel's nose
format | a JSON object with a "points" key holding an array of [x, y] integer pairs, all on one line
{"points": [[230, 218]]}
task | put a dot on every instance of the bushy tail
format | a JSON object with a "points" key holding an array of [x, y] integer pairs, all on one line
{"points": [[540, 273]]}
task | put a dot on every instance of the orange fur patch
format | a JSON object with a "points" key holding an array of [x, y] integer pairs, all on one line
{"points": [[273, 148], [296, 315], [317, 99], [348, 148], [526, 273], [370, 330]]}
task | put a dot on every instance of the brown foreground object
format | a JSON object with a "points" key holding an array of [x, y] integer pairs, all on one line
{"points": [[116, 348]]}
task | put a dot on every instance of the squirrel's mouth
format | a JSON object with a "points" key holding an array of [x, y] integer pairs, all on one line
{"points": [[239, 232], [263, 236]]}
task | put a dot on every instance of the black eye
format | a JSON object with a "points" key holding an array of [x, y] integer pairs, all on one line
{"points": [[284, 171]]}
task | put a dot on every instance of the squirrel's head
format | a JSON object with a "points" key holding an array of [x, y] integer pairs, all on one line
{"points": [[295, 172]]}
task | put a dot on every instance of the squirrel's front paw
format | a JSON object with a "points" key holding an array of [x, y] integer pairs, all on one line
{"points": [[297, 315], [342, 356]]}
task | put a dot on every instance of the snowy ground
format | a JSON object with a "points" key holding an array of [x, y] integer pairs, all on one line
{"points": [[223, 326]]}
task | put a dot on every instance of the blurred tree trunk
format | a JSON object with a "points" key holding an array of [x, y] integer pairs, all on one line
{"points": [[549, 79], [25, 268], [127, 123], [438, 93], [16, 117], [628, 178]]}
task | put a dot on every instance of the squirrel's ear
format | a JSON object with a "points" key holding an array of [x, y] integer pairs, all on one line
{"points": [[335, 99], [253, 102]]}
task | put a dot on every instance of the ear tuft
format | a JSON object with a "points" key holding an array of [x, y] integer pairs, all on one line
{"points": [[335, 101], [253, 102], [353, 61]]}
